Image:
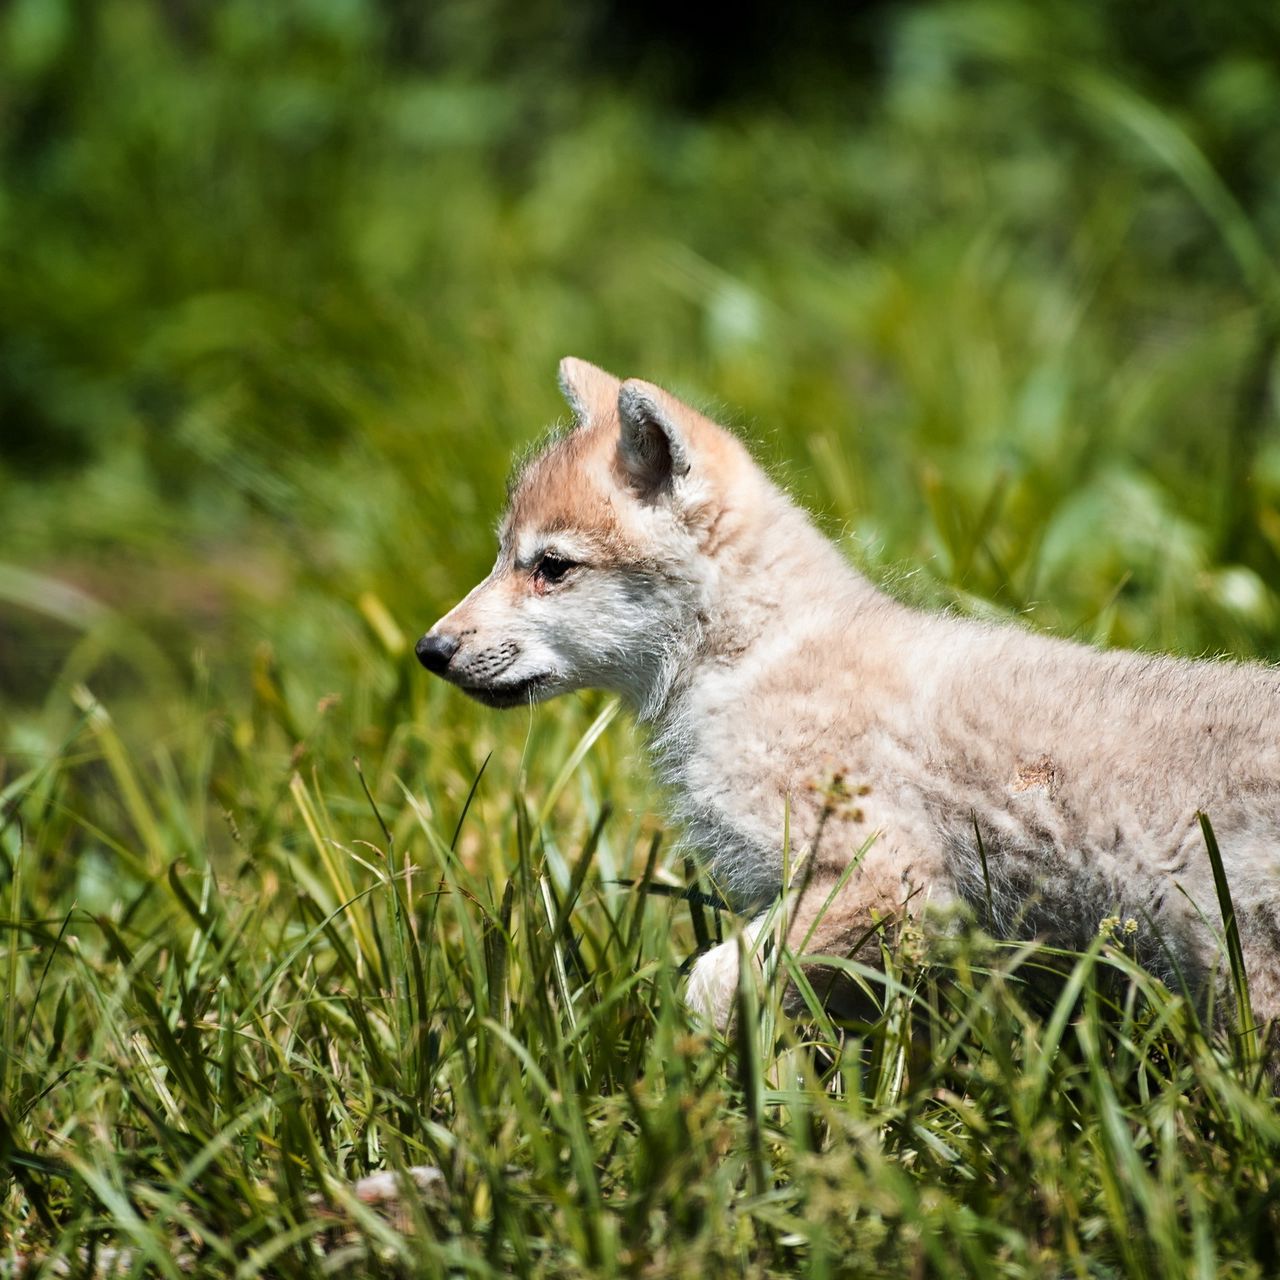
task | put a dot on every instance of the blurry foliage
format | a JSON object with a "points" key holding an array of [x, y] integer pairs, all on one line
{"points": [[284, 287]]}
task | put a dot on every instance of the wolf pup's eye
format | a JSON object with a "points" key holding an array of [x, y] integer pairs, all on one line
{"points": [[551, 569]]}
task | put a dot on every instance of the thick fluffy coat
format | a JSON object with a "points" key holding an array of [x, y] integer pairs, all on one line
{"points": [[1045, 784]]}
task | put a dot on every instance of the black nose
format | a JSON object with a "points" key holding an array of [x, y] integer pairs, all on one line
{"points": [[435, 651]]}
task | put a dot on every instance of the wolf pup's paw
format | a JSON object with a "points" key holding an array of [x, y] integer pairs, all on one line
{"points": [[713, 984], [712, 989]]}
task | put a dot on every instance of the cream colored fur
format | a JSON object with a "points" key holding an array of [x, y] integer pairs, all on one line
{"points": [[777, 681]]}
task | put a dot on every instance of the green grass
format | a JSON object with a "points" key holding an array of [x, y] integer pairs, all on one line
{"points": [[278, 910], [457, 979]]}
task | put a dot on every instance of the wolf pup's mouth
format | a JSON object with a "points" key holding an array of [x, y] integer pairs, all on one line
{"points": [[503, 696]]}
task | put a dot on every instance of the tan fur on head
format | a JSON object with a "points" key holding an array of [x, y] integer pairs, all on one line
{"points": [[1040, 784]]}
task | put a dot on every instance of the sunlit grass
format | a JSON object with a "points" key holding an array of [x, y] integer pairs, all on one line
{"points": [[205, 1047]]}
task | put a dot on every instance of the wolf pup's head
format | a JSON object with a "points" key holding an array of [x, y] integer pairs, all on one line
{"points": [[610, 550]]}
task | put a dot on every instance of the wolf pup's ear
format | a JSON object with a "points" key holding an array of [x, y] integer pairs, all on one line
{"points": [[590, 392], [653, 444]]}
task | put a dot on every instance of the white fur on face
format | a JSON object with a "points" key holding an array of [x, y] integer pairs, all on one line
{"points": [[618, 627], [603, 627], [613, 629]]}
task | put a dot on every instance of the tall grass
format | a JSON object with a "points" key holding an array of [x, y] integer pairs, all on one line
{"points": [[198, 1067]]}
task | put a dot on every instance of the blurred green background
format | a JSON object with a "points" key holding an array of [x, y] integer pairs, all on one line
{"points": [[282, 288]]}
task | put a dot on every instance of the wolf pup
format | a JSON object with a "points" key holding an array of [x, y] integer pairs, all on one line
{"points": [[1046, 785]]}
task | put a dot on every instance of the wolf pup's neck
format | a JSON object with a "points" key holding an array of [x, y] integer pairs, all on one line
{"points": [[737, 729]]}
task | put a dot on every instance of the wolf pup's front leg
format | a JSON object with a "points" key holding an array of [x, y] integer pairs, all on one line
{"points": [[847, 925]]}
